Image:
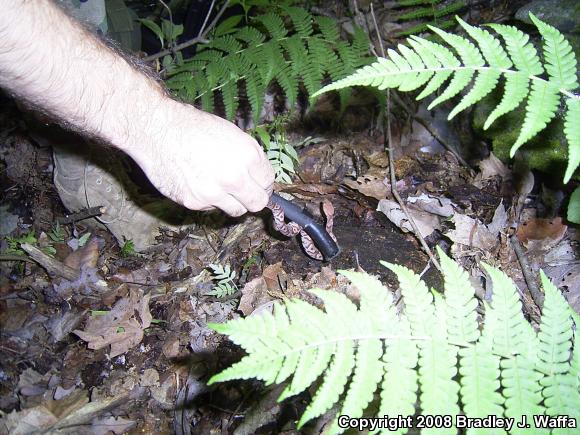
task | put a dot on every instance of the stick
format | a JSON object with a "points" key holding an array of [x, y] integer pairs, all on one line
{"points": [[81, 215], [535, 292], [388, 142], [52, 265], [196, 40], [15, 257]]}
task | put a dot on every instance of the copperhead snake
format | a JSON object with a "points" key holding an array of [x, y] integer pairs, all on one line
{"points": [[291, 229]]}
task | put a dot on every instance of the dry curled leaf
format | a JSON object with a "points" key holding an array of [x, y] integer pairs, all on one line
{"points": [[548, 231], [370, 186], [254, 294], [472, 232], [86, 256], [122, 327], [426, 222]]}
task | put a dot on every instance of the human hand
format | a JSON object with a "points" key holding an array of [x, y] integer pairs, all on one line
{"points": [[202, 161]]}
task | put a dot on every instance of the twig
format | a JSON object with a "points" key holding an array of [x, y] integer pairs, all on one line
{"points": [[388, 142], [172, 40], [15, 257], [393, 179], [363, 19], [83, 214], [382, 47], [206, 18], [535, 292], [52, 265], [196, 40]]}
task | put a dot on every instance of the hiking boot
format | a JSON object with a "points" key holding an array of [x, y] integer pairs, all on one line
{"points": [[88, 175]]}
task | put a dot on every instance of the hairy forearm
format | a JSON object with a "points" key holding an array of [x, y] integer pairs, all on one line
{"points": [[195, 158], [52, 62]]}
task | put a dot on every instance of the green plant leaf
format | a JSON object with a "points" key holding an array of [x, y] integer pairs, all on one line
{"points": [[154, 27], [431, 64], [507, 370], [574, 207]]}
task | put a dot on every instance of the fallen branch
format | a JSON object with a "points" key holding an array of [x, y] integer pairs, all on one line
{"points": [[15, 257], [51, 265], [534, 289], [81, 215]]}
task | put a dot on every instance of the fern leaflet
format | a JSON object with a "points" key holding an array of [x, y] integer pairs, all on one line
{"points": [[431, 65], [356, 349], [271, 49]]}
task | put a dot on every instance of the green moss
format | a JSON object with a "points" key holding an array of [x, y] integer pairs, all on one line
{"points": [[547, 152]]}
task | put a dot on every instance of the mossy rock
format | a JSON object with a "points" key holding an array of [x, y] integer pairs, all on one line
{"points": [[546, 152]]}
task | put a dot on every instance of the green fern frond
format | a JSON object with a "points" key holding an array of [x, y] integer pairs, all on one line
{"points": [[430, 65], [572, 132], [437, 358], [432, 12], [479, 369], [519, 379], [541, 108], [506, 313], [274, 25], [417, 2], [507, 370], [400, 380], [419, 307], [301, 20], [560, 58], [226, 43], [328, 28], [273, 48], [251, 36], [460, 302], [561, 393]]}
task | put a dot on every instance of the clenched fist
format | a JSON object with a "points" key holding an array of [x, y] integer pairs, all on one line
{"points": [[203, 161]]}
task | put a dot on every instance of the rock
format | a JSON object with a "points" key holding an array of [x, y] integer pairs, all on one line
{"points": [[562, 14]]}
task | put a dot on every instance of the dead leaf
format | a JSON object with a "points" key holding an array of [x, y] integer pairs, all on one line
{"points": [[27, 421], [325, 279], [370, 186], [548, 232], [62, 323], [106, 425], [426, 222], [254, 294], [471, 232], [493, 166], [275, 277], [306, 190], [164, 394], [499, 221], [149, 378], [86, 256], [436, 205], [171, 347], [122, 327], [44, 416]]}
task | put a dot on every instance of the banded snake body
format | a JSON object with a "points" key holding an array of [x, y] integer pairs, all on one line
{"points": [[292, 229]]}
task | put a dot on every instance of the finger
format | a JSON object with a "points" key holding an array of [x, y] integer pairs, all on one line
{"points": [[230, 205], [263, 173], [196, 204], [251, 195]]}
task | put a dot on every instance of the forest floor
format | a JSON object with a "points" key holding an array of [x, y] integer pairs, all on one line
{"points": [[123, 345], [97, 338]]}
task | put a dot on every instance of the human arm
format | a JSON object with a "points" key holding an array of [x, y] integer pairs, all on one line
{"points": [[195, 158]]}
